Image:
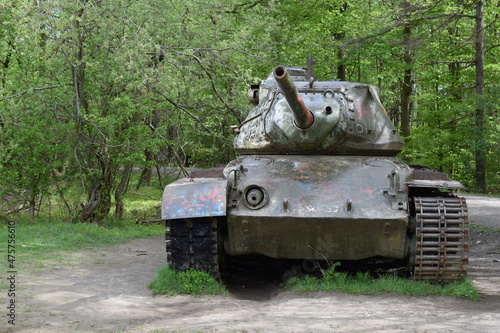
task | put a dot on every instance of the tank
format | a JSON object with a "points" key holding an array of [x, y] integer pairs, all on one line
{"points": [[317, 178]]}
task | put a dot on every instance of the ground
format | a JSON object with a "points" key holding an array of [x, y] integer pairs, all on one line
{"points": [[104, 290]]}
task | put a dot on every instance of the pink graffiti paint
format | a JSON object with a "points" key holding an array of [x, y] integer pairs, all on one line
{"points": [[212, 196]]}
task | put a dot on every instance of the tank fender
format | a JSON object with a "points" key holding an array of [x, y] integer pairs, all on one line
{"points": [[424, 176], [194, 197]]}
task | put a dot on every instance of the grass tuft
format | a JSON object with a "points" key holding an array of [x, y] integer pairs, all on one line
{"points": [[170, 282], [363, 283]]}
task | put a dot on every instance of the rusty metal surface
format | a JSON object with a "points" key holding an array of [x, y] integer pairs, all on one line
{"points": [[283, 133], [198, 197], [441, 239], [336, 206], [421, 172]]}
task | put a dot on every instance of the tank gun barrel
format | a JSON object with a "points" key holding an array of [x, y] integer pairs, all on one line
{"points": [[303, 117]]}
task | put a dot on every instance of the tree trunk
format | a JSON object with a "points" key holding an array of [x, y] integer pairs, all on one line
{"points": [[70, 213], [120, 190], [93, 201], [480, 151], [158, 172], [146, 172], [107, 186], [145, 177], [406, 89], [341, 69], [32, 206], [99, 202]]}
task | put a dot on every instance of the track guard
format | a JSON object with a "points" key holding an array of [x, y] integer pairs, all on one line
{"points": [[194, 197]]}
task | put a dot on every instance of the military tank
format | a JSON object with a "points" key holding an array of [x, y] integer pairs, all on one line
{"points": [[317, 178]]}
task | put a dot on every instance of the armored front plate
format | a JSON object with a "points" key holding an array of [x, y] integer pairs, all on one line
{"points": [[318, 207]]}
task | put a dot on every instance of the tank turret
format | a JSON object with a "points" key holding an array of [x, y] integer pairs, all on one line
{"points": [[294, 114]]}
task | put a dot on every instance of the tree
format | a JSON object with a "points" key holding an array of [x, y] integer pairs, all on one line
{"points": [[480, 149], [407, 77], [90, 89]]}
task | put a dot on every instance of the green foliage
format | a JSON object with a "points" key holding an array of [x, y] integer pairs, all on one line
{"points": [[170, 282], [90, 86], [363, 283]]}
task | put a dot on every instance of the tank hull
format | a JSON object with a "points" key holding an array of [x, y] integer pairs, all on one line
{"points": [[317, 207]]}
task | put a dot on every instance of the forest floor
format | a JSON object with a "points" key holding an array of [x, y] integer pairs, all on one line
{"points": [[104, 290]]}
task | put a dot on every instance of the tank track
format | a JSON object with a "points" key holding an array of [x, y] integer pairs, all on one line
{"points": [[442, 231], [192, 244]]}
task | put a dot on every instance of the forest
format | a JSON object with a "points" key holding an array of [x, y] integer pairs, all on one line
{"points": [[92, 91]]}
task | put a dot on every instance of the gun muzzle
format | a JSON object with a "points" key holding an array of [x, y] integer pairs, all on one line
{"points": [[303, 117]]}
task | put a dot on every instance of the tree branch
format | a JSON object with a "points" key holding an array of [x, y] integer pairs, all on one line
{"points": [[491, 47], [215, 88], [28, 90], [399, 24], [194, 117], [177, 157]]}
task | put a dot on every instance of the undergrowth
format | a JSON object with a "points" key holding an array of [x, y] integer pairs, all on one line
{"points": [[170, 282], [51, 237], [363, 283]]}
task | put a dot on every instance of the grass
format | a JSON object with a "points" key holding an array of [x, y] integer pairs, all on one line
{"points": [[50, 232], [170, 282], [363, 283], [49, 239], [40, 244], [43, 237], [143, 203], [480, 229]]}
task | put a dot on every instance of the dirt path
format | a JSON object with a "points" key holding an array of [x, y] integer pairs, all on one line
{"points": [[105, 291]]}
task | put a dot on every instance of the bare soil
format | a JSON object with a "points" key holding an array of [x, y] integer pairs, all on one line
{"points": [[104, 290]]}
